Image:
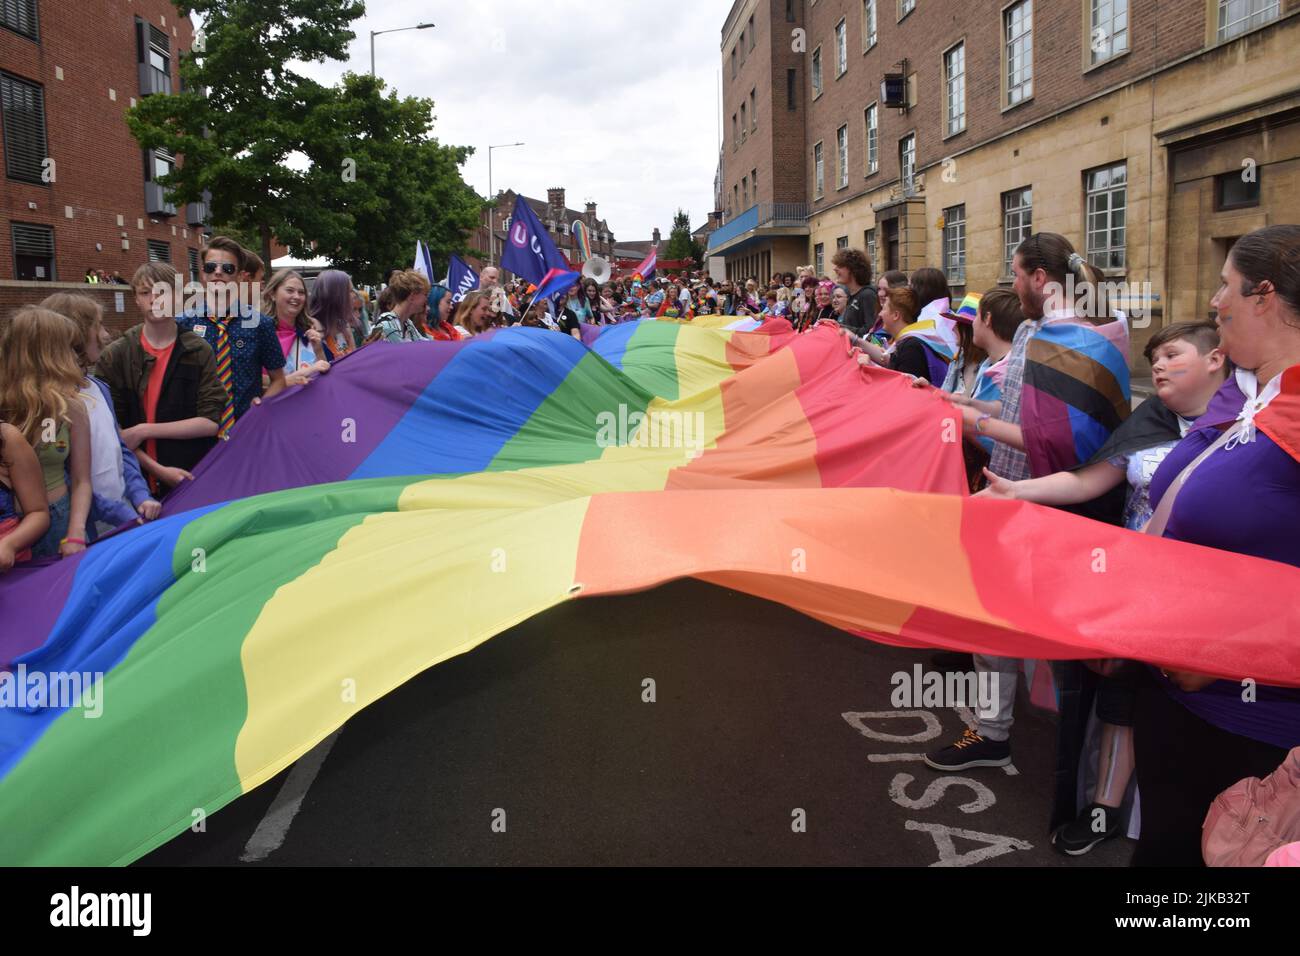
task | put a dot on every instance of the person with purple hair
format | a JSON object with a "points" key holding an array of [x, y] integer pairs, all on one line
{"points": [[331, 308]]}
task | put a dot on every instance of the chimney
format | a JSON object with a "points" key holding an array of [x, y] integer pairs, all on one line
{"points": [[656, 234], [591, 212], [555, 198]]}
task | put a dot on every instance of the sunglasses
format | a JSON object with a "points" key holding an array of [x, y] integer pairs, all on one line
{"points": [[229, 268]]}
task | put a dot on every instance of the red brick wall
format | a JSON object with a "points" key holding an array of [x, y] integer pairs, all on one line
{"points": [[14, 295], [99, 168]]}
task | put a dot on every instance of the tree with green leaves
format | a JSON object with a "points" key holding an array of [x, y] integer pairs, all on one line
{"points": [[680, 243], [348, 171]]}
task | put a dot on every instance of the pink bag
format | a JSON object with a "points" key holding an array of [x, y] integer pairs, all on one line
{"points": [[1254, 817]]}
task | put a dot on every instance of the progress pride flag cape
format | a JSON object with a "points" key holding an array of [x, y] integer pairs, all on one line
{"points": [[808, 480]]}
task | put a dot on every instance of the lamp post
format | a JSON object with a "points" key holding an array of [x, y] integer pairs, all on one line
{"points": [[492, 241], [375, 33]]}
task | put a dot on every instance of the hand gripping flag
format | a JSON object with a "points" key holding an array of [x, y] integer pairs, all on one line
{"points": [[529, 251], [555, 282]]}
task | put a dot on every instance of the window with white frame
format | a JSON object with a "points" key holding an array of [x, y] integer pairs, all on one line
{"points": [[954, 79], [841, 47], [872, 121], [1017, 223], [1238, 16], [907, 160], [842, 153], [753, 108], [817, 72], [841, 243], [819, 259], [905, 7], [1107, 190], [744, 190], [819, 170], [1107, 29], [954, 244], [1018, 51], [868, 24], [869, 240]]}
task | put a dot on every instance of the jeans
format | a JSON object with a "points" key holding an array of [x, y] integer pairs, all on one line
{"points": [[60, 513]]}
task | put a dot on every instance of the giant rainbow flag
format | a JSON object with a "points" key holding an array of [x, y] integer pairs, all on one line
{"points": [[421, 498]]}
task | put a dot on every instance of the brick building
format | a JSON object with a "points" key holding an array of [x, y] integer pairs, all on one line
{"points": [[78, 191], [554, 214], [1151, 134]]}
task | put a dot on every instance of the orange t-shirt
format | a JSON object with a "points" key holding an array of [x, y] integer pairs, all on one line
{"points": [[153, 389]]}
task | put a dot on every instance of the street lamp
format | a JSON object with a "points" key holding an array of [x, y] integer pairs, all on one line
{"points": [[375, 33], [492, 241]]}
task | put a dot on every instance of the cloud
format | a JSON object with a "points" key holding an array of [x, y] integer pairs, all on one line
{"points": [[615, 101]]}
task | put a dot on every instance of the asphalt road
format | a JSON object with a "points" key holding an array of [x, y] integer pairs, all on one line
{"points": [[543, 733]]}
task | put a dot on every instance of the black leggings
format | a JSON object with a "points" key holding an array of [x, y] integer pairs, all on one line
{"points": [[1183, 763]]}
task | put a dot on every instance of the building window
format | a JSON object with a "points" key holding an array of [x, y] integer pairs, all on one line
{"points": [[33, 252], [735, 132], [153, 53], [1238, 16], [733, 63], [20, 16], [1018, 51], [791, 87], [841, 243], [868, 24], [907, 160], [753, 181], [752, 32], [744, 120], [1107, 203], [873, 139], [1233, 191], [741, 45], [954, 244], [1017, 223], [819, 259], [869, 240], [905, 7], [817, 72], [1107, 29], [819, 171], [160, 251], [753, 108], [789, 11], [954, 77], [744, 190], [22, 105], [735, 192], [841, 47], [842, 154], [194, 264]]}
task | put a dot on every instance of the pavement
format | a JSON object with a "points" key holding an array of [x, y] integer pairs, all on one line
{"points": [[770, 740]]}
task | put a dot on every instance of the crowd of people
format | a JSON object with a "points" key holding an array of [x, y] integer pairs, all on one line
{"points": [[94, 434]]}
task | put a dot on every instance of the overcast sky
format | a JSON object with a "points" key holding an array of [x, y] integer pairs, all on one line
{"points": [[616, 101]]}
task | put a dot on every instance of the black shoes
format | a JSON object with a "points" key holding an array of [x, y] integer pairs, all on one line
{"points": [[971, 750], [1094, 825]]}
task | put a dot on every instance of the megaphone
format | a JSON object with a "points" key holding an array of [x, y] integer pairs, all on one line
{"points": [[598, 269]]}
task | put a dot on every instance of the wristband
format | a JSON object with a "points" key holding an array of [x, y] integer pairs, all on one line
{"points": [[80, 541], [979, 423]]}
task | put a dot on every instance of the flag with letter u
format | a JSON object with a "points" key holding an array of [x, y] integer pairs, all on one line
{"points": [[529, 252]]}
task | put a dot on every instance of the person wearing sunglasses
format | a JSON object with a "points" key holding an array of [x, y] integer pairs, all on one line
{"points": [[242, 338]]}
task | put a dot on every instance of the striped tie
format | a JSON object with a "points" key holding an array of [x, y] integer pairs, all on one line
{"points": [[223, 373]]}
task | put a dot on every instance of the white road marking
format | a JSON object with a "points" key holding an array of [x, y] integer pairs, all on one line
{"points": [[270, 833]]}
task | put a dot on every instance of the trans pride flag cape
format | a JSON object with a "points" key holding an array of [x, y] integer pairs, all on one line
{"points": [[422, 497], [1076, 392], [937, 333]]}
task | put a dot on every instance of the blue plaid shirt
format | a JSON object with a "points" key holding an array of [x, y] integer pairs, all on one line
{"points": [[253, 346], [1006, 461]]}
